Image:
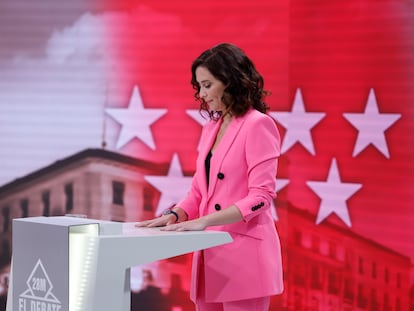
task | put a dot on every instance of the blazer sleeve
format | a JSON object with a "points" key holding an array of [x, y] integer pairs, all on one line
{"points": [[190, 204], [262, 149]]}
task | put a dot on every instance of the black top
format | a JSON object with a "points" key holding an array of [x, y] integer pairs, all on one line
{"points": [[207, 165]]}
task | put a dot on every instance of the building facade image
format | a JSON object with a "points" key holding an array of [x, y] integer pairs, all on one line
{"points": [[329, 268], [326, 267], [100, 185]]}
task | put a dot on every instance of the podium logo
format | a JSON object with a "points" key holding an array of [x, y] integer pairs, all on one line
{"points": [[38, 296]]}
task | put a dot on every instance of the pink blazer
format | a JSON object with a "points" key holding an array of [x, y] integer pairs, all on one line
{"points": [[242, 172]]}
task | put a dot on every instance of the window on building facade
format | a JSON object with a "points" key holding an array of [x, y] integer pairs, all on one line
{"points": [[387, 302], [118, 191], [374, 305], [46, 202], [362, 300], [340, 253], [333, 283], [315, 243], [398, 304], [24, 207], [349, 291], [299, 274], [69, 197], [386, 275], [398, 280], [316, 278], [332, 250], [6, 218], [348, 260], [360, 265], [305, 239], [374, 270], [324, 247]]}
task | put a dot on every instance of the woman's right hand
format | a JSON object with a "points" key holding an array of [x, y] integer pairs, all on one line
{"points": [[162, 221]]}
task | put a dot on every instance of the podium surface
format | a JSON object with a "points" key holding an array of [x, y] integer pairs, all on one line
{"points": [[77, 264]]}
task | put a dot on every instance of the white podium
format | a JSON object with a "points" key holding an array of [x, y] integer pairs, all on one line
{"points": [[77, 264]]}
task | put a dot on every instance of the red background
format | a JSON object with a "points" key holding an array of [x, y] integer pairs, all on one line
{"points": [[335, 52]]}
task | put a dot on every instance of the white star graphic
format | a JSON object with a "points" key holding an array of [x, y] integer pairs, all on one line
{"points": [[173, 187], [333, 194], [298, 124], [195, 115], [135, 120], [371, 126], [280, 184]]}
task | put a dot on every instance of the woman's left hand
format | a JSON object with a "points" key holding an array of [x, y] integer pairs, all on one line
{"points": [[191, 225]]}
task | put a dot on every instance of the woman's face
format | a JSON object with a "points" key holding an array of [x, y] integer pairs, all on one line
{"points": [[211, 89]]}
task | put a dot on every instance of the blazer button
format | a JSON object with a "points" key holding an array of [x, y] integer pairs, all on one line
{"points": [[217, 207], [220, 176]]}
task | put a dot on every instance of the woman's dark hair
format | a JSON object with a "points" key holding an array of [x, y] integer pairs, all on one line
{"points": [[244, 84]]}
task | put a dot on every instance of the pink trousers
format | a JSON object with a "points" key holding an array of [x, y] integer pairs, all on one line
{"points": [[257, 304]]}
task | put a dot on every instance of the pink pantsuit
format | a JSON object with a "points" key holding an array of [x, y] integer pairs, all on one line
{"points": [[242, 172]]}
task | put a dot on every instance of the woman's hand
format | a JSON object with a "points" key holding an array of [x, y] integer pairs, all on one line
{"points": [[162, 221], [192, 225]]}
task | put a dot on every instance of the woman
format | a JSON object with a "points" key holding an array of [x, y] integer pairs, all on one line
{"points": [[232, 188]]}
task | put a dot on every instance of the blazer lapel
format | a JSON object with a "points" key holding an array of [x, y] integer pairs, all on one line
{"points": [[222, 149], [205, 147]]}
